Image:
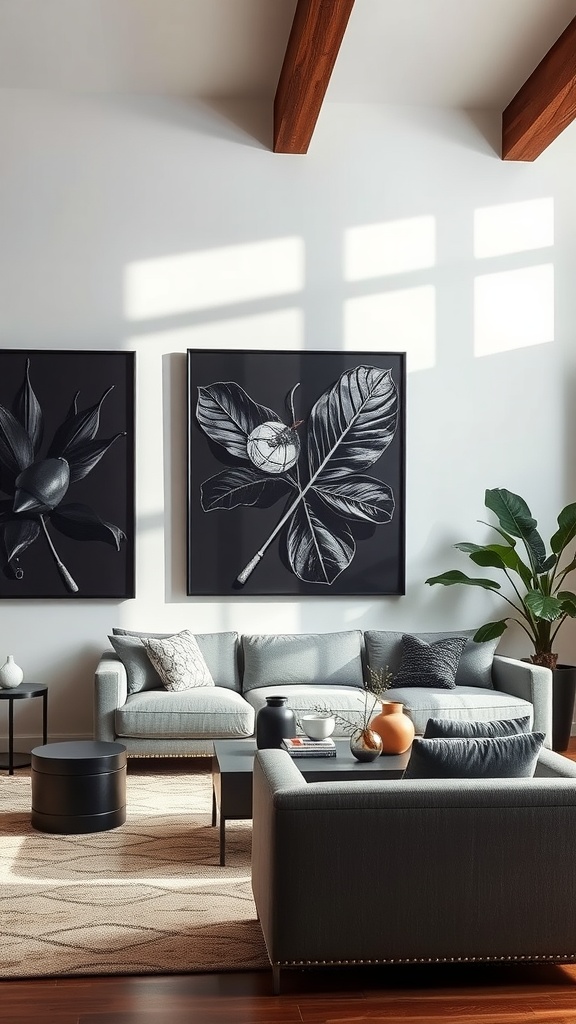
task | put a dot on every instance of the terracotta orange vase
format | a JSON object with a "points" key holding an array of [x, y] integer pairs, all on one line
{"points": [[395, 729]]}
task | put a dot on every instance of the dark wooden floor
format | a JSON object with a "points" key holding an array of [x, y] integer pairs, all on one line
{"points": [[460, 994]]}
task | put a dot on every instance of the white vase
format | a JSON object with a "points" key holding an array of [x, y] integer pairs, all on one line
{"points": [[10, 674]]}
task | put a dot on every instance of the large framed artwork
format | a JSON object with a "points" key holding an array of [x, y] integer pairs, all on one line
{"points": [[66, 474], [296, 472]]}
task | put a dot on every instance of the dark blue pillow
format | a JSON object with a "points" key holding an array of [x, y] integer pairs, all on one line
{"points": [[432, 664], [450, 728], [497, 757]]}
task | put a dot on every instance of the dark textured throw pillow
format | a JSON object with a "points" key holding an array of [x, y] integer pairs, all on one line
{"points": [[432, 664], [449, 728], [497, 757]]}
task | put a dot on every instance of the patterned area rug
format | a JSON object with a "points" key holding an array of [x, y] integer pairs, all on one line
{"points": [[145, 898]]}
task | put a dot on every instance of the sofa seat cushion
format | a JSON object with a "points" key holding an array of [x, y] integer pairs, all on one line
{"points": [[466, 703], [211, 711], [345, 700]]}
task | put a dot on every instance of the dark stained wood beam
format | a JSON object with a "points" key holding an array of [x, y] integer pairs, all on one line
{"points": [[315, 38], [546, 103]]}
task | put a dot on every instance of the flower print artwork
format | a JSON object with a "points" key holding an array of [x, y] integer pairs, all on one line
{"points": [[39, 469]]}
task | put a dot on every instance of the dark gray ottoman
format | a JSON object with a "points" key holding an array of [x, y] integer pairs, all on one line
{"points": [[78, 786]]}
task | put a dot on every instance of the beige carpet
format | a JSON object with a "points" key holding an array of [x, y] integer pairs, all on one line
{"points": [[145, 898]]}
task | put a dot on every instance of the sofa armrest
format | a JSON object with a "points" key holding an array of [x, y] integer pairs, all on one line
{"points": [[529, 682], [554, 766], [110, 693]]}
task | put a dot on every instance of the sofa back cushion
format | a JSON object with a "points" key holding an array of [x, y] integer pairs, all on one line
{"points": [[331, 659], [384, 648], [220, 652]]}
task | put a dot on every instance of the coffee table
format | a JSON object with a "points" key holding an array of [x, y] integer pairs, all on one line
{"points": [[232, 776]]}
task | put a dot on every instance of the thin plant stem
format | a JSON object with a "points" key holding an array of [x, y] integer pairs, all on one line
{"points": [[71, 585]]}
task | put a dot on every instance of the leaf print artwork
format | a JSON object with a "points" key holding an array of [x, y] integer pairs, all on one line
{"points": [[36, 485], [319, 465]]}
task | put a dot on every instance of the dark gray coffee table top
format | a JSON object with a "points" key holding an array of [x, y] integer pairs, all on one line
{"points": [[238, 756], [233, 764]]}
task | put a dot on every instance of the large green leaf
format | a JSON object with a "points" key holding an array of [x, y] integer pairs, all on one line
{"points": [[498, 556], [568, 600], [453, 576], [490, 630], [543, 607], [566, 529], [511, 511], [516, 518], [549, 563], [568, 568], [509, 540]]}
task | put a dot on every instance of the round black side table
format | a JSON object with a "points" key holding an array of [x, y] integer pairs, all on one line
{"points": [[78, 786], [12, 759]]}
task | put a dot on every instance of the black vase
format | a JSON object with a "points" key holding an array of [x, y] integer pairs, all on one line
{"points": [[563, 692], [274, 723]]}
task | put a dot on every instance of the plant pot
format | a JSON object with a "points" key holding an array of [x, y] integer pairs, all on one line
{"points": [[563, 694], [395, 729]]}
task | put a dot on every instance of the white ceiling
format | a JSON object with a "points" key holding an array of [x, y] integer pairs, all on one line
{"points": [[464, 53]]}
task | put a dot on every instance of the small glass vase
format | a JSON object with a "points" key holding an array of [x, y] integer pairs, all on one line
{"points": [[365, 745]]}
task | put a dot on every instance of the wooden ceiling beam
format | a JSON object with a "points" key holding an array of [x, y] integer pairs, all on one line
{"points": [[546, 103], [315, 38]]}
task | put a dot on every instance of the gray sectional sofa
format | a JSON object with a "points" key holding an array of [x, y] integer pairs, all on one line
{"points": [[426, 870], [132, 707]]}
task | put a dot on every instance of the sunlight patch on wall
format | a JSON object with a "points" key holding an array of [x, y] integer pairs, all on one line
{"points": [[283, 329], [513, 227], [398, 321], [513, 309], [212, 278], [394, 247]]}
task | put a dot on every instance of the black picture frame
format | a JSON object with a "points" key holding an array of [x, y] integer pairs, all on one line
{"points": [[345, 534], [67, 517]]}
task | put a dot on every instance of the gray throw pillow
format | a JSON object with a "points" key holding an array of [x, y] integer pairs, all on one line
{"points": [[497, 757], [384, 647], [449, 728], [140, 672], [432, 664]]}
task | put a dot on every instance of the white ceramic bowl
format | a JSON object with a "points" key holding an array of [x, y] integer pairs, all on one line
{"points": [[318, 727]]}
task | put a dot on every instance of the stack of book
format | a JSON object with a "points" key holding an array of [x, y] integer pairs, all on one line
{"points": [[301, 746]]}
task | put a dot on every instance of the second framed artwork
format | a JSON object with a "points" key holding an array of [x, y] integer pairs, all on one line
{"points": [[296, 473]]}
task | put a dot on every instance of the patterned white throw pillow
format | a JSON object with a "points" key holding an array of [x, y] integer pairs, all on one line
{"points": [[178, 661]]}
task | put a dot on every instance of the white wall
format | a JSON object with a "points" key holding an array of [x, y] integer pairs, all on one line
{"points": [[102, 200]]}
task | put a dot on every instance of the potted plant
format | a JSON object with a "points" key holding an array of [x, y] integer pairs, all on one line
{"points": [[537, 596]]}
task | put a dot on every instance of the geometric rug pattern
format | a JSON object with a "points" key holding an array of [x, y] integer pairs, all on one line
{"points": [[148, 897]]}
